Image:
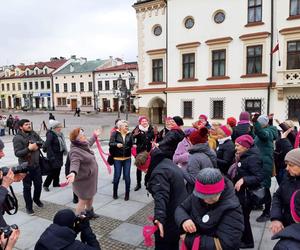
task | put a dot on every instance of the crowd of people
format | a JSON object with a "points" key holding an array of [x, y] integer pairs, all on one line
{"points": [[205, 179]]}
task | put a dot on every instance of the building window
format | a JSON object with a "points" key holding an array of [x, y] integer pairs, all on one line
{"points": [[188, 66], [157, 30], [86, 101], [3, 87], [73, 87], [46, 71], [253, 106], [25, 85], [254, 59], [115, 84], [294, 7], [218, 62], [65, 87], [7, 87], [254, 11], [293, 55], [218, 108], [13, 86], [157, 70], [189, 23], [81, 87], [106, 85], [42, 85], [61, 101], [219, 17], [30, 85], [48, 85], [99, 85], [188, 109], [90, 86], [36, 71], [294, 109], [36, 85], [19, 86], [57, 88]]}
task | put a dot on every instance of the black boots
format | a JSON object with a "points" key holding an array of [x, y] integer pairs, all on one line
{"points": [[115, 193], [126, 196], [137, 187], [91, 214]]}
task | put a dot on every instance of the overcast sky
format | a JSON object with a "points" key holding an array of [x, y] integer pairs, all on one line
{"points": [[35, 30]]}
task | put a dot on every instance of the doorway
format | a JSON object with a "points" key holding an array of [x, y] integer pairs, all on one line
{"points": [[73, 104]]}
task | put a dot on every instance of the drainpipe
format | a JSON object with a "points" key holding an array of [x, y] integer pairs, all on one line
{"points": [[52, 91], [94, 90], [167, 58], [271, 57]]}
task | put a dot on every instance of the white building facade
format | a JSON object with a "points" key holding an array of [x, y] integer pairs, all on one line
{"points": [[205, 57]]}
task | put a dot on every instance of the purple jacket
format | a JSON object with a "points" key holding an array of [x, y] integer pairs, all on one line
{"points": [[181, 154]]}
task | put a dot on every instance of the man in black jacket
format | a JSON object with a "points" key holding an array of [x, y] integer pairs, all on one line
{"points": [[63, 232], [164, 180], [27, 150]]}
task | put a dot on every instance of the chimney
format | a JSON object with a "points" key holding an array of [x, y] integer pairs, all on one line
{"points": [[82, 60], [73, 57]]}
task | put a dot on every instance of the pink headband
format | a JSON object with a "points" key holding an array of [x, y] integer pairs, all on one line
{"points": [[226, 130], [208, 189], [292, 208], [146, 165], [168, 118]]}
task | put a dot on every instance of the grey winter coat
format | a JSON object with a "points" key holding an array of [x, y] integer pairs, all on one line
{"points": [[83, 163], [21, 142], [201, 156]]}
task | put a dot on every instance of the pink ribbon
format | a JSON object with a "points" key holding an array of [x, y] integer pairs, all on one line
{"points": [[148, 231], [102, 155], [196, 244], [297, 140], [63, 184]]}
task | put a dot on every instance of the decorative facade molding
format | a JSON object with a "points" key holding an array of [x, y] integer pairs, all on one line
{"points": [[188, 45], [263, 109], [148, 7], [289, 31], [156, 52], [254, 36], [220, 40]]}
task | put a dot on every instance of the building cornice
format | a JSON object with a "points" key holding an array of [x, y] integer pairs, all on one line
{"points": [[151, 90], [148, 5], [156, 51], [288, 31], [220, 40], [253, 36], [188, 45]]}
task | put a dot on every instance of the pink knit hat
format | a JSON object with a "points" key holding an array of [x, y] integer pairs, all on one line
{"points": [[245, 140], [203, 117], [142, 118]]}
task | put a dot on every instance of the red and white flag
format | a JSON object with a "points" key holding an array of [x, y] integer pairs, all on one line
{"points": [[275, 48]]}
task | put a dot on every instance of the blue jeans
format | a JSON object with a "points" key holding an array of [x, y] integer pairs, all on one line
{"points": [[118, 165]]}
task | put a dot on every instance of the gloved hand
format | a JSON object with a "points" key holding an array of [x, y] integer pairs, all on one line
{"points": [[255, 117]]}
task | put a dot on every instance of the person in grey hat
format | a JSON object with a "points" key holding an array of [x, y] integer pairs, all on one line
{"points": [[265, 135], [280, 213], [211, 216]]}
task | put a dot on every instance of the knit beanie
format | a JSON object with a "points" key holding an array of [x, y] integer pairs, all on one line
{"points": [[188, 131], [178, 120], [142, 118], [64, 218], [203, 117], [245, 140], [231, 121], [226, 130], [1, 145], [209, 183], [263, 120], [54, 124], [199, 136], [295, 206], [22, 122], [244, 116], [293, 157]]}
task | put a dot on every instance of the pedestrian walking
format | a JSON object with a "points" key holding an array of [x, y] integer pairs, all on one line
{"points": [[83, 170], [16, 124], [10, 123], [51, 116], [211, 217], [56, 148], [120, 144]]}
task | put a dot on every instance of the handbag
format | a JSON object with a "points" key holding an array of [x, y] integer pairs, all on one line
{"points": [[45, 165], [110, 160], [256, 196], [10, 203]]}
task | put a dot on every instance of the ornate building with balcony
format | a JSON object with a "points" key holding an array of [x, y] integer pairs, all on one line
{"points": [[201, 57]]}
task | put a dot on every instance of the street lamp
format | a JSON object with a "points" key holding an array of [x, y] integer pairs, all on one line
{"points": [[30, 95], [117, 92]]}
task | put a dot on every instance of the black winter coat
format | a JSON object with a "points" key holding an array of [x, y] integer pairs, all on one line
{"points": [[250, 168], [143, 140], [280, 209], [3, 193], [162, 134], [166, 184], [289, 238], [169, 143], [225, 155], [282, 147], [225, 223], [115, 138], [52, 147], [242, 129], [57, 237]]}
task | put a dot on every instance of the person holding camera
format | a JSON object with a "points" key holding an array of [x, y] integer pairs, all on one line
{"points": [[26, 147], [63, 232]]}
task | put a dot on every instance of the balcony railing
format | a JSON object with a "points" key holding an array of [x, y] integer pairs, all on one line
{"points": [[289, 78]]}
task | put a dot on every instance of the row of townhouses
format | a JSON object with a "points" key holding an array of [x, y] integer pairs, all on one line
{"points": [[215, 57], [62, 84]]}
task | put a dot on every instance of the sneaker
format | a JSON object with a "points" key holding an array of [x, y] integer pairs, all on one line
{"points": [[39, 203], [263, 218], [46, 189], [30, 212], [137, 187]]}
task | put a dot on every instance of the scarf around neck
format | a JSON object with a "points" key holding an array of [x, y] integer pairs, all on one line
{"points": [[84, 145], [143, 128]]}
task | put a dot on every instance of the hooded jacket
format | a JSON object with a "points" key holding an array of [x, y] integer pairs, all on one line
{"points": [[225, 220], [164, 180], [201, 156], [289, 238], [242, 129], [225, 155], [58, 237]]}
